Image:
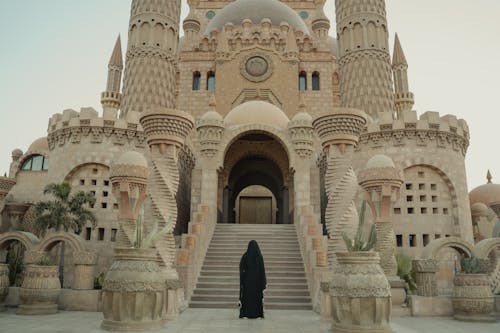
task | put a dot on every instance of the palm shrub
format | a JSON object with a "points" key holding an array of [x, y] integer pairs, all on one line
{"points": [[65, 211], [15, 261], [359, 243], [404, 270], [470, 265]]}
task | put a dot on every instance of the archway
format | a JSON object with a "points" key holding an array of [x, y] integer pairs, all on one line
{"points": [[255, 158]]}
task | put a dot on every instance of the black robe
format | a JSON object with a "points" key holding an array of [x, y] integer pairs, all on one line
{"points": [[252, 282]]}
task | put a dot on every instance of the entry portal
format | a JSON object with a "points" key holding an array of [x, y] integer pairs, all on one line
{"points": [[255, 210]]}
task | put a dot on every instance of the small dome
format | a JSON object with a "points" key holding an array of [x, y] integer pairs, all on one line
{"points": [[257, 112], [256, 10], [17, 153], [479, 209], [211, 115], [485, 194], [40, 144], [302, 117], [132, 158], [380, 161]]}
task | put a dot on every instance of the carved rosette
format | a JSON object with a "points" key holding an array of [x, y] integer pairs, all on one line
{"points": [[302, 136], [135, 278], [341, 127], [210, 131], [472, 298], [164, 127], [128, 178], [360, 293]]}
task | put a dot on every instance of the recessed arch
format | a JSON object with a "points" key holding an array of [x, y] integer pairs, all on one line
{"points": [[76, 242]]}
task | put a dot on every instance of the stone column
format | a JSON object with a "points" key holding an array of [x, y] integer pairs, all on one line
{"points": [[382, 182], [285, 211], [225, 205], [425, 271], [339, 132], [84, 270]]}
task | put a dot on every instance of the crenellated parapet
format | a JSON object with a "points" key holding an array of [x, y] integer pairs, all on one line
{"points": [[430, 130], [72, 127]]}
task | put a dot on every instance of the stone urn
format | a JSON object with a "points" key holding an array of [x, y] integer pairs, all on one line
{"points": [[472, 298], [40, 289], [133, 292], [360, 294], [4, 284]]}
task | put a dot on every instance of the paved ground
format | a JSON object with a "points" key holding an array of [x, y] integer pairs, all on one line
{"points": [[226, 321]]}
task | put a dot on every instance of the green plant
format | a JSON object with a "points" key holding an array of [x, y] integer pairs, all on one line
{"points": [[65, 212], [359, 243], [404, 270], [152, 237], [99, 281], [15, 261], [44, 261], [470, 265]]}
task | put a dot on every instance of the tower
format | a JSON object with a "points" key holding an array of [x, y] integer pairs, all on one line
{"points": [[111, 98], [364, 60], [403, 96], [150, 71]]}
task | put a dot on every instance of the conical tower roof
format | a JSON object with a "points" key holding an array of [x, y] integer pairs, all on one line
{"points": [[398, 56], [116, 57]]}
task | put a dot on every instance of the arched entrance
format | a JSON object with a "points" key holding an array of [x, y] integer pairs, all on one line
{"points": [[255, 182]]}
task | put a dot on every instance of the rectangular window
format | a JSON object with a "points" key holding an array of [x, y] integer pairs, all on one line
{"points": [[37, 163], [101, 234], [104, 193], [95, 171], [45, 164], [399, 240], [302, 81], [115, 206], [409, 198], [435, 211], [211, 81], [409, 186], [447, 236], [421, 174], [445, 211], [94, 182], [106, 183], [423, 198], [434, 198], [423, 210], [113, 235], [82, 182], [434, 187], [437, 236], [410, 210], [88, 233], [413, 240], [425, 238], [397, 211], [104, 205], [421, 187]]}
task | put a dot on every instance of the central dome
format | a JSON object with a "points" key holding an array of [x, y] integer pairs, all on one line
{"points": [[257, 112], [256, 10]]}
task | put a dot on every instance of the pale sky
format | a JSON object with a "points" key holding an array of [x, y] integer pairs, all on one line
{"points": [[54, 56]]}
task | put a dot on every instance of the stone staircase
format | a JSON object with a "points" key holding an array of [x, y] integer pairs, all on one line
{"points": [[218, 283]]}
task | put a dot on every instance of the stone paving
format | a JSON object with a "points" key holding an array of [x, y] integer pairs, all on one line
{"points": [[212, 320]]}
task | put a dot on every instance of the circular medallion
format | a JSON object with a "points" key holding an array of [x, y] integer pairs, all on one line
{"points": [[210, 14], [256, 67], [304, 15]]}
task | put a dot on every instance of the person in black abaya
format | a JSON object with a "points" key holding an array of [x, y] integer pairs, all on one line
{"points": [[252, 282]]}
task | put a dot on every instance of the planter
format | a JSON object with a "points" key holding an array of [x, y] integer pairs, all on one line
{"points": [[472, 298], [133, 292], [4, 284], [360, 293], [40, 289]]}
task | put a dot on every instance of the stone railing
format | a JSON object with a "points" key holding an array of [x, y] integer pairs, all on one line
{"points": [[430, 130], [86, 126], [194, 245], [313, 246]]}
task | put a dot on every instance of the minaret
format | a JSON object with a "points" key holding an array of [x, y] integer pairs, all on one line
{"points": [[150, 71], [191, 27], [111, 98], [321, 26], [364, 60], [403, 96]]}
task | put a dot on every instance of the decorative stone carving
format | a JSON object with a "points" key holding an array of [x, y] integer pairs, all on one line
{"points": [[256, 67], [84, 270], [133, 292], [40, 289], [302, 132], [472, 298], [210, 130], [425, 275], [360, 292]]}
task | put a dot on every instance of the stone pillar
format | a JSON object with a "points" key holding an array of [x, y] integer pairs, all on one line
{"points": [[339, 132], [425, 271], [84, 270], [225, 205], [285, 211]]}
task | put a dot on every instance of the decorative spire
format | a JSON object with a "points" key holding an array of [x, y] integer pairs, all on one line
{"points": [[398, 56], [302, 103], [212, 104], [116, 58], [489, 177]]}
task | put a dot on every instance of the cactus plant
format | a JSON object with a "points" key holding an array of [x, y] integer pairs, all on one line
{"points": [[150, 239], [358, 243], [470, 265]]}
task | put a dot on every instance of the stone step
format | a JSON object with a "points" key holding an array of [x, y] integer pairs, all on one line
{"points": [[232, 305], [236, 274], [236, 261], [267, 292], [267, 299], [235, 285], [269, 267], [274, 280]]}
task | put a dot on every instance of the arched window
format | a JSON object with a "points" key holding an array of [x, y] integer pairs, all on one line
{"points": [[196, 81], [302, 81], [35, 163], [315, 81], [210, 81]]}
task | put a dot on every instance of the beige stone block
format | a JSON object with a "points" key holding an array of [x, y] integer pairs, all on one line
{"points": [[80, 300], [422, 306]]}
